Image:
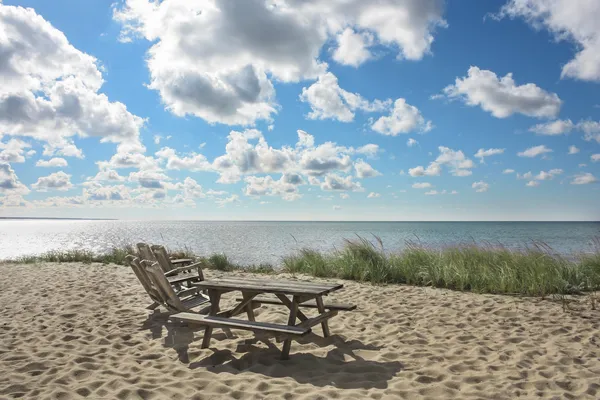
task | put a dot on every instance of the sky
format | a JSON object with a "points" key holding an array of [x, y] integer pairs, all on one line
{"points": [[300, 110]]}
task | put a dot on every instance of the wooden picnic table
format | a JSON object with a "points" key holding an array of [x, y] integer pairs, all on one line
{"points": [[291, 294]]}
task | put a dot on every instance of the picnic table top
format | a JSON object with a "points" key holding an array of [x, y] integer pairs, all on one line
{"points": [[270, 286]]}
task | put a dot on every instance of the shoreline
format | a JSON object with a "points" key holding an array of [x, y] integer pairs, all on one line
{"points": [[82, 330]]}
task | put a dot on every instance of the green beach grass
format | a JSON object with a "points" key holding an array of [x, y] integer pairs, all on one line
{"points": [[535, 271]]}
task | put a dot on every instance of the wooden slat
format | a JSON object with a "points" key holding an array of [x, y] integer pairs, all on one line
{"points": [[281, 282], [181, 260], [239, 324], [182, 278], [319, 319], [311, 304], [267, 287]]}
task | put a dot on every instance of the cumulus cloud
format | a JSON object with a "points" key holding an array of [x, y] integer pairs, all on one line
{"points": [[365, 170], [353, 47], [13, 151], [50, 90], [584, 179], [260, 41], [480, 186], [403, 118], [534, 151], [595, 157], [573, 20], [554, 128], [9, 183], [285, 187], [502, 97], [373, 195], [591, 130], [482, 153], [573, 149], [55, 181], [52, 163], [328, 101], [337, 182], [454, 160], [508, 171], [433, 169], [542, 176], [411, 142]]}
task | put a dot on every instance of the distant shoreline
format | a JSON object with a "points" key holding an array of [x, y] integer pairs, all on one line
{"points": [[59, 218]]}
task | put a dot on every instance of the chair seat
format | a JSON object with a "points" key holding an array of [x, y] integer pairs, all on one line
{"points": [[194, 301]]}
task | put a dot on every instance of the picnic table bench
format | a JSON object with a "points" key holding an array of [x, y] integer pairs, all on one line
{"points": [[291, 294]]}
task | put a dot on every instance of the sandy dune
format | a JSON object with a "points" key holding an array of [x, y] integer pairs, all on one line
{"points": [[71, 331]]}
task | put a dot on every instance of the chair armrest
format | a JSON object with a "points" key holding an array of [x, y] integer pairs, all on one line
{"points": [[177, 270], [186, 292]]}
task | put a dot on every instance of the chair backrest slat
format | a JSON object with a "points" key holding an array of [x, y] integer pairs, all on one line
{"points": [[145, 252], [157, 276], [142, 276], [161, 255]]}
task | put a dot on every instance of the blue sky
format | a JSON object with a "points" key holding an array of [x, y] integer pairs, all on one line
{"points": [[287, 110]]}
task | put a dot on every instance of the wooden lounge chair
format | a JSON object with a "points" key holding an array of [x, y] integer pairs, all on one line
{"points": [[168, 264], [147, 253], [155, 296], [175, 301]]}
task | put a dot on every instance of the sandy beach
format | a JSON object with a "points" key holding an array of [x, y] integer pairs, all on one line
{"points": [[73, 331]]}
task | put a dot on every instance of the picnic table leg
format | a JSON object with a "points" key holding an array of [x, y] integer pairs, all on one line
{"points": [[215, 297], [321, 308], [249, 309], [287, 343]]}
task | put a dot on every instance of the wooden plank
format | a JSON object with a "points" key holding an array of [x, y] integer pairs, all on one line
{"points": [[220, 322], [277, 282], [249, 309], [271, 287], [319, 319], [182, 260], [287, 343], [311, 304], [288, 303], [182, 278], [321, 308]]}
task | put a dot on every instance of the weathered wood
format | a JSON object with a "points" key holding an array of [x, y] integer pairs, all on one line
{"points": [[265, 287], [215, 298], [321, 308], [288, 303], [145, 252], [312, 304], [139, 271], [283, 283], [162, 257], [319, 319], [220, 322], [249, 306], [190, 277], [287, 343], [242, 305], [229, 314], [176, 261]]}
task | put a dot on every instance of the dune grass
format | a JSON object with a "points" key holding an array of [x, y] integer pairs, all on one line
{"points": [[535, 271], [484, 269]]}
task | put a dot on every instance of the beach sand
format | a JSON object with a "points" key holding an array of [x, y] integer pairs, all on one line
{"points": [[73, 330]]}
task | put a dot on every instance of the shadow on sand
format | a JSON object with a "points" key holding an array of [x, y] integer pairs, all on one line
{"points": [[342, 367]]}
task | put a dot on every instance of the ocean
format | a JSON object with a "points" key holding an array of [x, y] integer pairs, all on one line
{"points": [[251, 242]]}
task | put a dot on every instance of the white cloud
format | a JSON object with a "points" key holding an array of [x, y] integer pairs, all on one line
{"points": [[502, 97], [149, 179], [157, 139], [107, 175], [55, 181], [432, 193], [9, 182], [542, 176], [584, 179], [411, 142], [50, 90], [482, 153], [532, 183], [573, 20], [595, 157], [508, 171], [373, 195], [353, 47], [52, 163], [433, 169], [337, 207], [230, 80], [480, 186], [421, 185], [234, 198], [403, 118], [285, 187], [337, 182], [194, 162], [107, 193], [455, 160], [328, 101], [365, 170], [344, 196], [534, 151], [573, 149], [591, 130], [554, 128], [13, 150]]}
